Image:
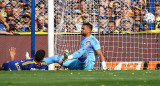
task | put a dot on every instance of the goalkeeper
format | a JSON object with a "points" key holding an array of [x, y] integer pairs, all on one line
{"points": [[84, 58]]}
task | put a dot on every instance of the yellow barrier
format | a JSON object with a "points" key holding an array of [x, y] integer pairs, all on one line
{"points": [[116, 32]]}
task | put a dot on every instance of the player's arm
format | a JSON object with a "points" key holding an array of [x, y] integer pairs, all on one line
{"points": [[100, 54], [96, 45], [12, 52]]}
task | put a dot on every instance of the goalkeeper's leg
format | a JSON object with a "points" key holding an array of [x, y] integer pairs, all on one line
{"points": [[78, 54], [53, 59]]}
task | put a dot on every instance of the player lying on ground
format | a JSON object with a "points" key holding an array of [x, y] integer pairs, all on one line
{"points": [[31, 64], [85, 57]]}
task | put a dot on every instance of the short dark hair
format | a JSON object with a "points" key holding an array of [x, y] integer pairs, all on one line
{"points": [[112, 22], [88, 25], [39, 55], [124, 5], [12, 27], [83, 0]]}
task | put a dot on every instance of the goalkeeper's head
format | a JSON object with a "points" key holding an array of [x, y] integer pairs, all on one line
{"points": [[86, 29], [39, 55]]}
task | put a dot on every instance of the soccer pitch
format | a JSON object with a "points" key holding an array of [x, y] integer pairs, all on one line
{"points": [[80, 78]]}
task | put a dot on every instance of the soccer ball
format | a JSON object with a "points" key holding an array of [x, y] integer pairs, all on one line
{"points": [[149, 18]]}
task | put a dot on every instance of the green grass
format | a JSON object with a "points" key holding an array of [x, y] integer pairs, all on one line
{"points": [[80, 78]]}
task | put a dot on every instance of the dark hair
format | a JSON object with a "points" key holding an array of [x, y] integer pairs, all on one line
{"points": [[112, 22], [117, 2], [26, 5], [83, 0], [12, 27], [124, 5], [88, 25], [39, 55]]}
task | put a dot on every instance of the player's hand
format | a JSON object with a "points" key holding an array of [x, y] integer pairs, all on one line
{"points": [[12, 53], [104, 66]]}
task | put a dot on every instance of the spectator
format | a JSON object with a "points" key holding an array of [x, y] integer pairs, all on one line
{"points": [[145, 27], [102, 10], [137, 12], [16, 14], [59, 23], [143, 13], [8, 10], [14, 3], [69, 27], [20, 5], [58, 17], [77, 20], [109, 13], [42, 7], [11, 30], [115, 5], [116, 10], [137, 27], [26, 9], [2, 9], [83, 6], [124, 11], [157, 10], [157, 14], [19, 27], [3, 23], [103, 23], [86, 17], [126, 25], [141, 3], [41, 24], [76, 4], [137, 17], [104, 3], [26, 23], [158, 23], [58, 9], [10, 20], [128, 3], [77, 16], [111, 27], [94, 20], [37, 11], [27, 1], [46, 18], [4, 3]]}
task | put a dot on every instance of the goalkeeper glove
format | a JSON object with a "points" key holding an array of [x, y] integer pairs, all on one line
{"points": [[104, 65]]}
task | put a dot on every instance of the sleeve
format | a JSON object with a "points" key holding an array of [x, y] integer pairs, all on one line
{"points": [[95, 44]]}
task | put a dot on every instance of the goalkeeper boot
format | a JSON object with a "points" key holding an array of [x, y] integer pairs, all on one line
{"points": [[66, 53]]}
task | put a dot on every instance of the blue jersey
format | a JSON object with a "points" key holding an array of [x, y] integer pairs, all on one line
{"points": [[90, 44], [25, 65]]}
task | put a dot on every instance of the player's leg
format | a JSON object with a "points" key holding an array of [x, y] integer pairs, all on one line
{"points": [[77, 60], [74, 64], [78, 54], [53, 59]]}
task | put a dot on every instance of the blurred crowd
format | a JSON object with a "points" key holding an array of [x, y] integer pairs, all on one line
{"points": [[106, 16]]}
